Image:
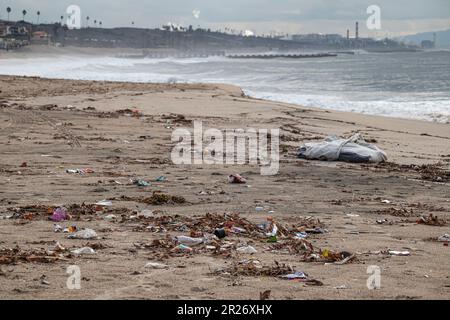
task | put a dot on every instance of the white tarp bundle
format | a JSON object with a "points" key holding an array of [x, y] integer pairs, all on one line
{"points": [[333, 148]]}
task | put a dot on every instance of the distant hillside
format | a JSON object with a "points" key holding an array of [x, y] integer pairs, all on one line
{"points": [[442, 38], [185, 39]]}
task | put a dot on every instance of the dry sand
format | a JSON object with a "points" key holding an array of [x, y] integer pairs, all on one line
{"points": [[54, 125]]}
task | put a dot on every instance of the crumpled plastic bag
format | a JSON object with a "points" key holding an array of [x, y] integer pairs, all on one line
{"points": [[84, 250], [333, 148], [86, 234]]}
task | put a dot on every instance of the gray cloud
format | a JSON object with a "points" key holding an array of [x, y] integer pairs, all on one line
{"points": [[402, 16]]}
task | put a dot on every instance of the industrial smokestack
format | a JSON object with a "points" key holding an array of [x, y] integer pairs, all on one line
{"points": [[357, 31]]}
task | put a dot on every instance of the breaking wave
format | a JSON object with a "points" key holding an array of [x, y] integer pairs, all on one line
{"points": [[414, 85]]}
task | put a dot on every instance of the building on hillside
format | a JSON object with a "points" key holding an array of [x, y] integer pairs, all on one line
{"points": [[40, 37], [14, 31]]}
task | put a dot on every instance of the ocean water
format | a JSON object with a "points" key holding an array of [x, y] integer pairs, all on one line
{"points": [[405, 85]]}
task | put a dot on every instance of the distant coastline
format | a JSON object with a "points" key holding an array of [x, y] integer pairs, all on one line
{"points": [[14, 34]]}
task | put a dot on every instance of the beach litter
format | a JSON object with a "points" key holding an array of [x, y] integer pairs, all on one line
{"points": [[333, 148], [272, 239], [341, 287], [247, 250], [337, 257], [189, 241], [43, 280], [141, 183], [86, 234], [110, 217], [146, 214], [444, 238], [236, 178], [156, 265], [431, 220], [348, 258], [382, 221], [58, 248], [301, 277], [160, 179], [59, 229], [60, 214], [237, 230], [28, 216], [295, 275], [80, 171], [130, 113], [255, 268], [183, 248], [316, 230], [82, 251], [104, 203], [399, 253], [270, 227], [310, 253], [71, 229], [301, 235], [220, 233]]}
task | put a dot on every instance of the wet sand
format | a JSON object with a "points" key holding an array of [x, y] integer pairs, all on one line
{"points": [[49, 126]]}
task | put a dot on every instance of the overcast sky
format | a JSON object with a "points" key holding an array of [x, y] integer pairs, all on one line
{"points": [[398, 17]]}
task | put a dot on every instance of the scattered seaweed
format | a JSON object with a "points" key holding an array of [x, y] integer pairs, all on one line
{"points": [[18, 255], [432, 220], [435, 172], [397, 212], [156, 199], [254, 268]]}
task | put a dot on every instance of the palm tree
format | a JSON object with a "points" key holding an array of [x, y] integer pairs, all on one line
{"points": [[100, 23], [38, 15], [9, 11], [62, 18], [95, 23], [87, 21], [24, 13]]}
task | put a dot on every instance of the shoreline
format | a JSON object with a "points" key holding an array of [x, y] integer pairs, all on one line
{"points": [[332, 102], [50, 126], [236, 88], [413, 133]]}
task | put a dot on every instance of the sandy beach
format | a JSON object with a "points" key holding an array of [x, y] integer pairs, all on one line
{"points": [[122, 132]]}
